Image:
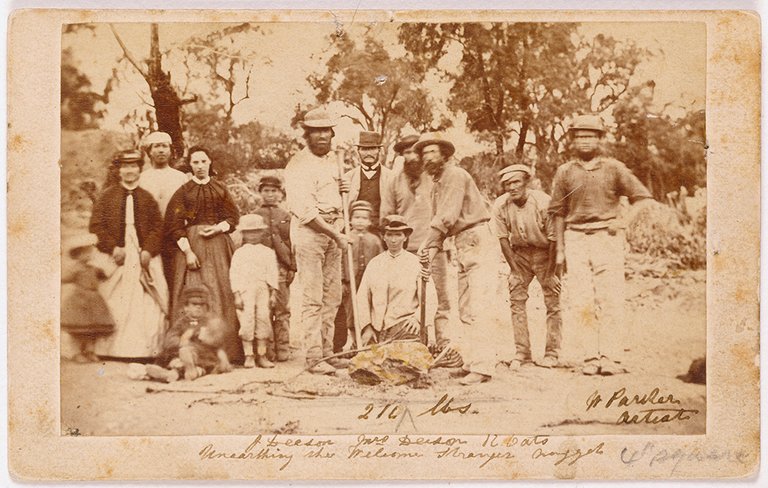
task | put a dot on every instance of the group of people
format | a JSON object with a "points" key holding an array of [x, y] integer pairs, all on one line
{"points": [[162, 227]]}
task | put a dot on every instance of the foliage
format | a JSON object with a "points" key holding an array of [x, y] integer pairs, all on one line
{"points": [[663, 152], [384, 93], [249, 146], [658, 231], [81, 107], [524, 80]]}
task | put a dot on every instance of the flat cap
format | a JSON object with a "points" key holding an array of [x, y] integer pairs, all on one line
{"points": [[507, 172], [360, 205]]}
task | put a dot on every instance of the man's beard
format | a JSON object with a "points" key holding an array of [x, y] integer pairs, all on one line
{"points": [[412, 169]]}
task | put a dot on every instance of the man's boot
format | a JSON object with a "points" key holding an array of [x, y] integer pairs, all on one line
{"points": [[248, 350], [261, 353]]}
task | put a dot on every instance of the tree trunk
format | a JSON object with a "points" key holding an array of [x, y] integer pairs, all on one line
{"points": [[167, 102], [523, 136]]}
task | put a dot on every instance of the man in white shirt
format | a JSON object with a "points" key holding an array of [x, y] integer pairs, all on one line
{"points": [[312, 186], [161, 181]]}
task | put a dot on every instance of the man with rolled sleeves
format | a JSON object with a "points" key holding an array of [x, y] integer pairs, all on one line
{"points": [[409, 195], [278, 223], [313, 190], [590, 239], [527, 238], [459, 210], [367, 182]]}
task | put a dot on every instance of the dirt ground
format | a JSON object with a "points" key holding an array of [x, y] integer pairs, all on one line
{"points": [[665, 320]]}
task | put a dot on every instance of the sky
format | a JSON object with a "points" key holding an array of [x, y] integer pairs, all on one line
{"points": [[286, 53]]}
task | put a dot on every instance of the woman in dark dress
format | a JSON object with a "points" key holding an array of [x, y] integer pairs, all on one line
{"points": [[199, 218]]}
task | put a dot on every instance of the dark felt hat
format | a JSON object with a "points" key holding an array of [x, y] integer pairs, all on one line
{"points": [[368, 139], [397, 223], [405, 143]]}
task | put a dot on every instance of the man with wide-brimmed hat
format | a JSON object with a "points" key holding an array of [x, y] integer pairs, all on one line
{"points": [[459, 211], [585, 206], [371, 179], [525, 232], [278, 221], [409, 195], [313, 194], [388, 295]]}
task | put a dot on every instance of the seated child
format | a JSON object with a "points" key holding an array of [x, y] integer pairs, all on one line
{"points": [[201, 350], [84, 313], [253, 276], [195, 311], [194, 317]]}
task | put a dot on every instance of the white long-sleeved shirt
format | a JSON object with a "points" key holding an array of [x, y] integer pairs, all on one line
{"points": [[389, 290], [251, 265], [312, 186]]}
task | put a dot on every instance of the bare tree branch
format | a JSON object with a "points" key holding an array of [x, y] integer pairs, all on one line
{"points": [[128, 54]]}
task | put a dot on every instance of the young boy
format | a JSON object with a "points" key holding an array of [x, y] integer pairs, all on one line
{"points": [[192, 346], [365, 246], [254, 279], [278, 221]]}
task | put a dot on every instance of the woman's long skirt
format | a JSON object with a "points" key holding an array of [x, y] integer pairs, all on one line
{"points": [[138, 305], [215, 255]]}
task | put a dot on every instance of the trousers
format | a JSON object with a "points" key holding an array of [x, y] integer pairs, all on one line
{"points": [[318, 259], [595, 285], [254, 318], [533, 261]]}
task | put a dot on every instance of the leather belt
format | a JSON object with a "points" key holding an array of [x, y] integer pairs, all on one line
{"points": [[471, 226]]}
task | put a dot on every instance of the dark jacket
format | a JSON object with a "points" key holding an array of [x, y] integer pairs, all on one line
{"points": [[108, 220], [279, 222]]}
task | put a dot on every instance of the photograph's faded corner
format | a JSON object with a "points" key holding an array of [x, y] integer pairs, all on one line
{"points": [[488, 244]]}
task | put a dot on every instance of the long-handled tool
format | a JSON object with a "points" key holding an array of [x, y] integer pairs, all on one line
{"points": [[350, 258], [423, 334]]}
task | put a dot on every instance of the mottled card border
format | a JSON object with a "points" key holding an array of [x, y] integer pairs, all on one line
{"points": [[37, 451]]}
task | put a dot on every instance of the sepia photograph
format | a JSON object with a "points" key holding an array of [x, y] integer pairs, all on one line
{"points": [[383, 245], [433, 227]]}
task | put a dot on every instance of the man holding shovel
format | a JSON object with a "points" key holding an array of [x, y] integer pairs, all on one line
{"points": [[313, 187]]}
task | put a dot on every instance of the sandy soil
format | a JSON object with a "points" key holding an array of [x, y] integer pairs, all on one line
{"points": [[666, 322]]}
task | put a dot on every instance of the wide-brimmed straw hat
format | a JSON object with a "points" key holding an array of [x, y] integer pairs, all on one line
{"points": [[397, 223], [430, 138], [251, 222], [318, 118]]}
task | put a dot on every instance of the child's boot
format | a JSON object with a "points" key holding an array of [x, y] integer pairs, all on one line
{"points": [[248, 350], [261, 352]]}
